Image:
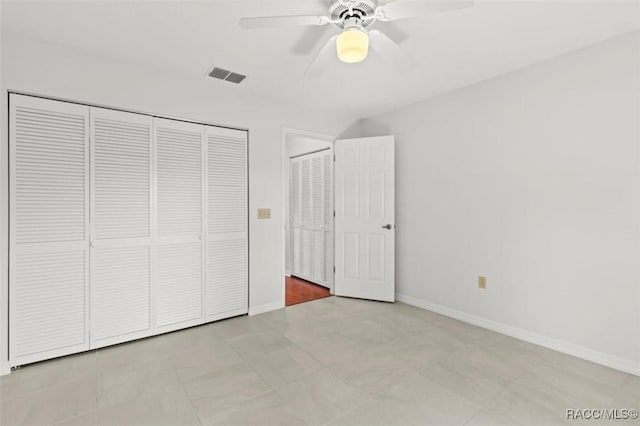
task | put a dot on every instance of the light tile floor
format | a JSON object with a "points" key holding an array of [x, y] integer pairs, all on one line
{"points": [[331, 361]]}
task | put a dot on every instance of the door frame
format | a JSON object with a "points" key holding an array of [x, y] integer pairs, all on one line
{"points": [[286, 133]]}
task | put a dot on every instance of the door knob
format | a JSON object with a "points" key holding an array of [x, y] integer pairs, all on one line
{"points": [[388, 226]]}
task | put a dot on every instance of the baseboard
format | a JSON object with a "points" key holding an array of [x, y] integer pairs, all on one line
{"points": [[267, 307], [4, 369], [578, 351]]}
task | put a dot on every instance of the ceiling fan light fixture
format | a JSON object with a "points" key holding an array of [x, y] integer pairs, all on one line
{"points": [[353, 45]]}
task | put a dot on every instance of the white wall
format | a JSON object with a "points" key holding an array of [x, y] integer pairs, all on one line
{"points": [[299, 145], [51, 70], [531, 179], [295, 145]]}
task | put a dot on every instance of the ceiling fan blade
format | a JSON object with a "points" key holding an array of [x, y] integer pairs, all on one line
{"points": [[389, 50], [394, 30], [309, 40], [403, 9], [282, 21], [324, 58]]}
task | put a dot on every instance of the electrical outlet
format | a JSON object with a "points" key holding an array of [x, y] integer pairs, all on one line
{"points": [[482, 282], [264, 213]]}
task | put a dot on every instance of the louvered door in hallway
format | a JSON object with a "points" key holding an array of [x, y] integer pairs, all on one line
{"points": [[312, 217]]}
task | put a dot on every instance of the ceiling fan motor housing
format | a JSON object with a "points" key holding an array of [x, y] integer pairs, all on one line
{"points": [[350, 11]]}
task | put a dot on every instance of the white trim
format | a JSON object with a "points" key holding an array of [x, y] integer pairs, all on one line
{"points": [[608, 360], [4, 369], [226, 315], [267, 307], [122, 338], [133, 111]]}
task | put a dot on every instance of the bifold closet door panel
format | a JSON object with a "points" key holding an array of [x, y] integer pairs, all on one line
{"points": [[312, 217], [317, 221], [296, 217], [121, 219], [305, 231], [226, 223], [48, 229], [180, 212], [301, 217], [327, 219]]}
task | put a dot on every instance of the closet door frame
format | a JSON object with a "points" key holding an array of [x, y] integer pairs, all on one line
{"points": [[89, 235], [36, 248]]}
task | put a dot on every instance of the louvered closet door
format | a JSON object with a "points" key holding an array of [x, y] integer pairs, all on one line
{"points": [[121, 200], [226, 223], [317, 221], [179, 206], [49, 229], [301, 217], [312, 217], [327, 217], [296, 217], [306, 242]]}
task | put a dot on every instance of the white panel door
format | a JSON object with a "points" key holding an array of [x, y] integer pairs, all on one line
{"points": [[226, 223], [121, 200], [365, 218], [179, 152], [49, 229]]}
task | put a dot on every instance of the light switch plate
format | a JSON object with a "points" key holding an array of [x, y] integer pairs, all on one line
{"points": [[482, 282], [264, 213]]}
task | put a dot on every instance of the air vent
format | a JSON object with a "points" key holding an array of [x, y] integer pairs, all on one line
{"points": [[235, 78], [219, 73], [222, 74]]}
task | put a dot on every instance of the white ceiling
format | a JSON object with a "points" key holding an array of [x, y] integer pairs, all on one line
{"points": [[452, 50]]}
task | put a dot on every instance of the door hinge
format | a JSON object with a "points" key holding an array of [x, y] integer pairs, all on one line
{"points": [[334, 213], [334, 158], [334, 270]]}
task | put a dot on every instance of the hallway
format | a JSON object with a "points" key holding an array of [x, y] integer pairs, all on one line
{"points": [[299, 291]]}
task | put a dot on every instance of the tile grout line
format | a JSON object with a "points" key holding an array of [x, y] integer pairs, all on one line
{"points": [[182, 386], [186, 394], [325, 366], [48, 387], [466, 422], [246, 360]]}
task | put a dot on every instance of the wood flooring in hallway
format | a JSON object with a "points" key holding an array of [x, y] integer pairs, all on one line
{"points": [[299, 291]]}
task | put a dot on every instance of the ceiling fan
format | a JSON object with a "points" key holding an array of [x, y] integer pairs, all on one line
{"points": [[354, 18]]}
